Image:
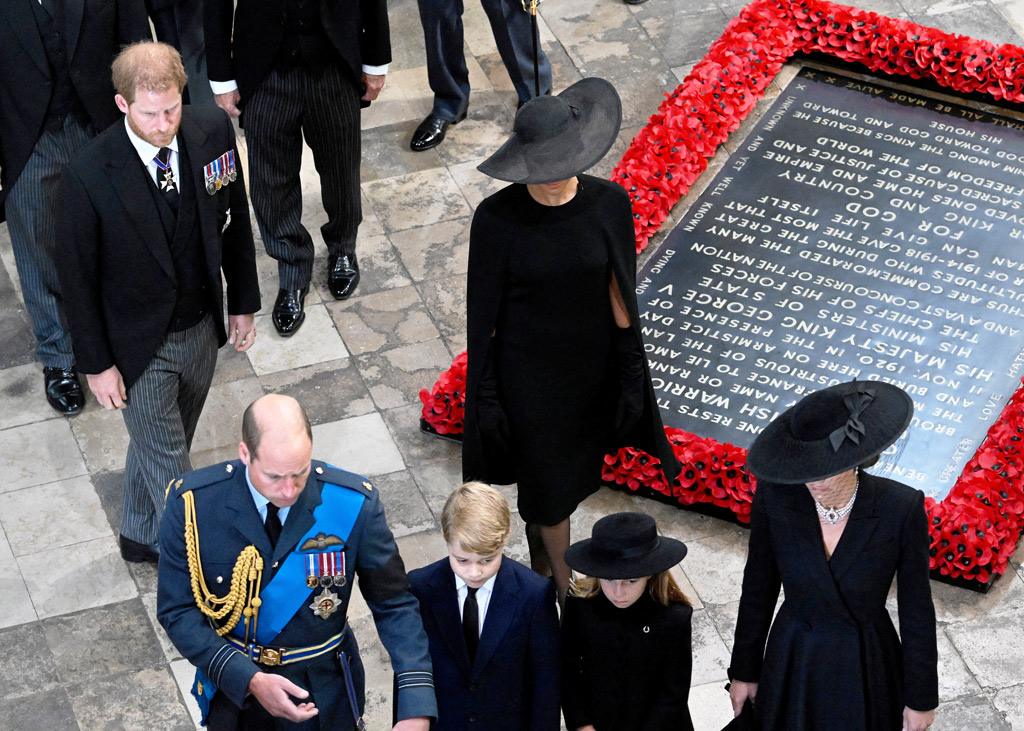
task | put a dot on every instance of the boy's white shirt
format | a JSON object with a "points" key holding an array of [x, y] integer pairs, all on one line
{"points": [[483, 597]]}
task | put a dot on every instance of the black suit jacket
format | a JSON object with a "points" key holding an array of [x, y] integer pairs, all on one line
{"points": [[115, 266], [833, 659], [513, 683], [94, 30], [247, 49]]}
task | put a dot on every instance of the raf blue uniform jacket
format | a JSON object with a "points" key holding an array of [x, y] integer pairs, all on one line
{"points": [[513, 684], [228, 522]]}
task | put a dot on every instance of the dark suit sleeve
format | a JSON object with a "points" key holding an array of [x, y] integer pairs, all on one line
{"points": [[670, 709], [917, 613], [132, 23], [78, 239], [218, 17], [375, 35], [239, 250], [544, 671], [385, 586], [761, 584], [574, 674]]}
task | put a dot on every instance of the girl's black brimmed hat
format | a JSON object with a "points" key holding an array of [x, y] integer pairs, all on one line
{"points": [[624, 546], [830, 431], [557, 137]]}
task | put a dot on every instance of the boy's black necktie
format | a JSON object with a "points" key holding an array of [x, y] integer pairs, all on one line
{"points": [[272, 524], [471, 623]]}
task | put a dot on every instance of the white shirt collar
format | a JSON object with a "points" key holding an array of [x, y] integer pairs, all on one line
{"points": [[146, 151], [262, 502], [487, 588]]}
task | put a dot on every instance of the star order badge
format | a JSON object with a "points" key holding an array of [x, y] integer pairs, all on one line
{"points": [[168, 182], [325, 604]]}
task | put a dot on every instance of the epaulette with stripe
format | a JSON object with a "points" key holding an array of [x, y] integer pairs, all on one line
{"points": [[332, 475]]}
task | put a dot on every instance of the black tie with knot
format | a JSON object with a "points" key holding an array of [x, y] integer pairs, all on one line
{"points": [[471, 623], [272, 524]]}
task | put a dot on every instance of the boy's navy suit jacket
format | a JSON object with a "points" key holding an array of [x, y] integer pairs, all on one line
{"points": [[513, 685]]}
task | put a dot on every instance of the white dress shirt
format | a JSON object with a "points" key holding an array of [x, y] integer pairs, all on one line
{"points": [[147, 152], [261, 502], [483, 597]]}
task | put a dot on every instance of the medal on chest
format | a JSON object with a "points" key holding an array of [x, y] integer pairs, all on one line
{"points": [[325, 570]]}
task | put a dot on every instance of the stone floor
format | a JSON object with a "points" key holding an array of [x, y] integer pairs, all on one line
{"points": [[79, 644]]}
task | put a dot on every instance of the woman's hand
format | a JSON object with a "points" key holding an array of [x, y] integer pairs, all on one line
{"points": [[917, 720], [740, 693]]}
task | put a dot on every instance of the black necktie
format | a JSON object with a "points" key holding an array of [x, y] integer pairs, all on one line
{"points": [[165, 177], [272, 524], [471, 623]]}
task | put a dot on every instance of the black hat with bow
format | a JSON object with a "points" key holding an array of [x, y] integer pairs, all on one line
{"points": [[830, 431]]}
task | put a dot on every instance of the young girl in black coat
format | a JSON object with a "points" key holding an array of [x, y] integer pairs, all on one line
{"points": [[626, 652]]}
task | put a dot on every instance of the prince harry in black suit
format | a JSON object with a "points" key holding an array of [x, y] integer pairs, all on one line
{"points": [[152, 212]]}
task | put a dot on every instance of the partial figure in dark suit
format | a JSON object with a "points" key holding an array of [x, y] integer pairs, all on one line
{"points": [[55, 94], [297, 69], [491, 623], [834, 537], [152, 212], [179, 23], [446, 61]]}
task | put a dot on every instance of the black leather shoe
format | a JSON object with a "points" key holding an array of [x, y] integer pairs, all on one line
{"points": [[289, 312], [342, 275], [431, 132], [135, 552], [63, 390]]}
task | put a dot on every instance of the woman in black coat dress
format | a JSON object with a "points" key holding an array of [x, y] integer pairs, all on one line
{"points": [[556, 375], [834, 537], [626, 631]]}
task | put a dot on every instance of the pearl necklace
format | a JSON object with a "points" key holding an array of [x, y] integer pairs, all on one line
{"points": [[834, 515]]}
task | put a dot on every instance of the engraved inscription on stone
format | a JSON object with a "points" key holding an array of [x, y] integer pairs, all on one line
{"points": [[859, 232]]}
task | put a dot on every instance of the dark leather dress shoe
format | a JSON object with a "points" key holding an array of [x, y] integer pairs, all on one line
{"points": [[289, 312], [342, 275], [63, 390], [135, 552], [431, 132]]}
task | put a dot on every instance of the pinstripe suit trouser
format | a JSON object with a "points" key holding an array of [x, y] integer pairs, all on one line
{"points": [[323, 106], [31, 209], [164, 405]]}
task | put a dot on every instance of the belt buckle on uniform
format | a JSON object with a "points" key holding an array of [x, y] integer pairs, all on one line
{"points": [[269, 657]]}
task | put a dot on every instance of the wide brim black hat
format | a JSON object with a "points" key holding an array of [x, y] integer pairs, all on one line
{"points": [[624, 546], [557, 137], [830, 431]]}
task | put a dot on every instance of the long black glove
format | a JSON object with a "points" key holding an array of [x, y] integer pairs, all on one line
{"points": [[629, 355], [494, 430]]}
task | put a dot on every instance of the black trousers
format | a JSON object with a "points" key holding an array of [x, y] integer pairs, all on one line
{"points": [[322, 106]]}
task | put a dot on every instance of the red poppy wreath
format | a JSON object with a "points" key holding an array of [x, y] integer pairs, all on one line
{"points": [[975, 529]]}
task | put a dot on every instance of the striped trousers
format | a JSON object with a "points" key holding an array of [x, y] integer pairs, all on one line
{"points": [[163, 409], [31, 218], [323, 106]]}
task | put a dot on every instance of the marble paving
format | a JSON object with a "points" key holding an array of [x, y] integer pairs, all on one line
{"points": [[79, 643]]}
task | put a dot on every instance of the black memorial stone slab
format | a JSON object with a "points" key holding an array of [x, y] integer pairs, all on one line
{"points": [[859, 232]]}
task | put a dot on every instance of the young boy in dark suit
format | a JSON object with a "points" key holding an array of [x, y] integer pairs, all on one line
{"points": [[491, 623]]}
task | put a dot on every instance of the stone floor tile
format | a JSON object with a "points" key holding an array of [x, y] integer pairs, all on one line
{"points": [[420, 549], [315, 342], [221, 421], [483, 131], [144, 575], [723, 616], [184, 674], [1010, 702], [98, 643], [47, 711], [17, 344], [232, 365], [15, 603], [715, 564], [709, 705], [382, 320], [953, 604], [371, 225], [48, 516], [992, 647], [24, 397], [975, 20], [391, 109], [396, 376], [109, 488], [682, 32], [406, 510], [416, 199], [710, 655], [417, 446], [434, 251], [603, 169], [407, 49], [328, 391], [446, 300], [386, 152], [379, 268], [474, 184], [73, 578], [170, 652], [153, 702], [955, 680], [26, 663], [102, 437], [436, 481], [969, 713], [360, 444], [207, 457], [34, 454]]}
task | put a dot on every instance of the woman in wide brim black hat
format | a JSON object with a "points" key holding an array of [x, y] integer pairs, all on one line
{"points": [[556, 375], [626, 630], [834, 537]]}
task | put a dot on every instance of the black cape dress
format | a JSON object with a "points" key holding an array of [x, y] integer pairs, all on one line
{"points": [[538, 280], [833, 659]]}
